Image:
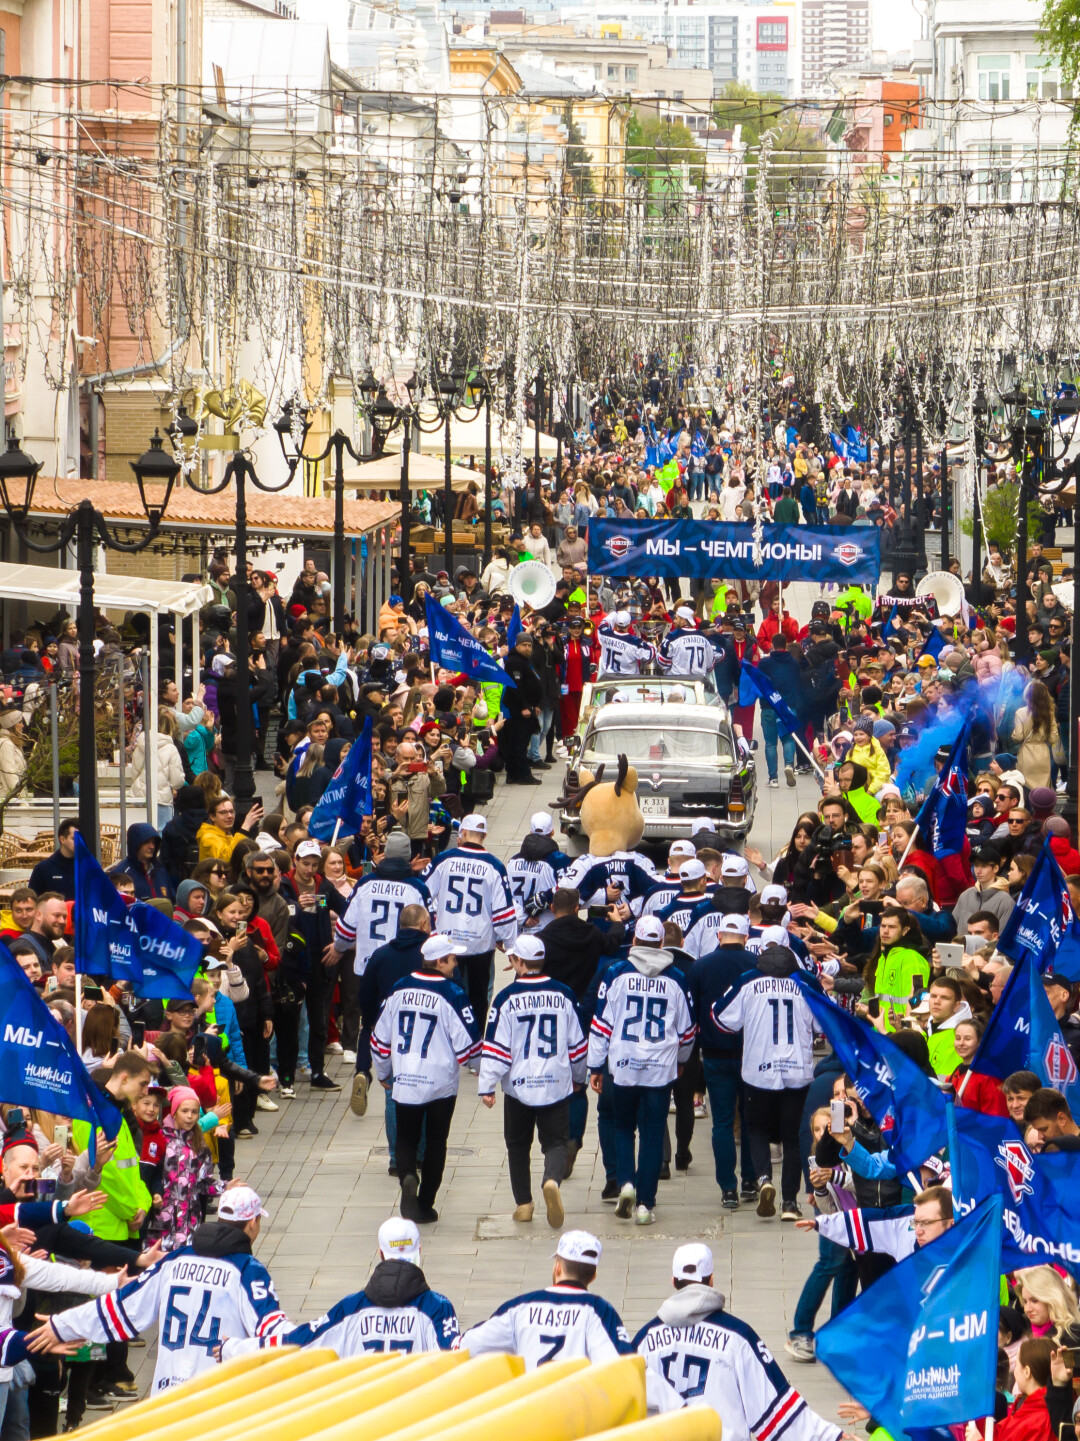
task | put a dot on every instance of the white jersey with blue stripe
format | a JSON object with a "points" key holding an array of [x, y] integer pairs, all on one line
{"points": [[687, 652], [778, 1030], [197, 1301], [643, 1027], [622, 653], [534, 1044], [714, 1359], [373, 915], [532, 884], [357, 1326], [679, 910], [590, 874], [425, 1033], [560, 1322], [470, 898]]}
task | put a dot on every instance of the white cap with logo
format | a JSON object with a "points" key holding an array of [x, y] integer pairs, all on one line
{"points": [[579, 1246], [692, 1262], [691, 870], [474, 823], [436, 947], [732, 865], [541, 824], [308, 848], [399, 1240], [240, 1203], [774, 896], [650, 929]]}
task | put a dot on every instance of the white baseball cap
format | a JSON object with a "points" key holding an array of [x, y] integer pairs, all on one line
{"points": [[579, 1246], [732, 865], [240, 1203], [620, 698], [691, 870], [528, 948], [774, 896], [683, 848], [541, 824], [308, 848], [692, 1262], [217, 963], [649, 929], [735, 925], [474, 823], [685, 613], [399, 1240], [436, 947], [704, 824], [774, 936], [621, 617]]}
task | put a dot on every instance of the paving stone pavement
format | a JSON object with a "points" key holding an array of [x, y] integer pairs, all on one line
{"points": [[322, 1173]]}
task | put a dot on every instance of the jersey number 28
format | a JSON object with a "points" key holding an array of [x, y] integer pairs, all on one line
{"points": [[654, 1011]]}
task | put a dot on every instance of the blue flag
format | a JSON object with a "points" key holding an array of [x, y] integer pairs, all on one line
{"points": [[935, 644], [129, 943], [754, 685], [942, 818], [699, 446], [904, 1102], [452, 646], [39, 1065], [348, 796], [840, 446], [931, 1326], [513, 630], [1043, 921], [1022, 1034], [1040, 1193], [857, 448]]}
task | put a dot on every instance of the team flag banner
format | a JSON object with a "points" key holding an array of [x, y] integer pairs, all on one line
{"points": [[348, 796], [40, 1069], [450, 645], [129, 943], [1022, 1034], [1040, 1193], [907, 1106], [702, 548], [754, 685], [931, 1326], [513, 630], [1043, 921], [942, 817]]}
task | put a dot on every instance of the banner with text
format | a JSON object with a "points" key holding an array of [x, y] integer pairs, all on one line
{"points": [[701, 549]]}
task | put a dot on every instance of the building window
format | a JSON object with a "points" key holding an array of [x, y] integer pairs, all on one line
{"points": [[994, 77], [995, 172], [772, 32], [1043, 80], [631, 72], [613, 72]]}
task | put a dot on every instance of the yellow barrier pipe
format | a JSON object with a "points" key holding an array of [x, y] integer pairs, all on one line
{"points": [[294, 1423], [300, 1390], [242, 1377], [594, 1399], [694, 1423], [521, 1386]]}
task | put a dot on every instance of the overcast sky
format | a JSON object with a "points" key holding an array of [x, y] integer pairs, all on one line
{"points": [[895, 24]]}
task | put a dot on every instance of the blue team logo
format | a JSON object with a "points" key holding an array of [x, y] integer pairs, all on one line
{"points": [[618, 546], [848, 553], [1014, 1158], [1059, 1064]]}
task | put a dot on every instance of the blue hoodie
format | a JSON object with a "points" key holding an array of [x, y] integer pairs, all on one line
{"points": [[152, 880]]}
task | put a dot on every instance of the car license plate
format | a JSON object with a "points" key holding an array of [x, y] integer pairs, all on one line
{"points": [[654, 808]]}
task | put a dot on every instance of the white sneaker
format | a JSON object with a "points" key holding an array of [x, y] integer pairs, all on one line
{"points": [[624, 1206], [264, 1103], [335, 1048], [288, 1092], [644, 1217], [774, 785], [349, 1057], [700, 1111]]}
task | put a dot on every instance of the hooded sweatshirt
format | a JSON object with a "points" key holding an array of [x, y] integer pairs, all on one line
{"points": [[184, 891], [940, 1038], [643, 1033], [151, 880], [544, 848]]}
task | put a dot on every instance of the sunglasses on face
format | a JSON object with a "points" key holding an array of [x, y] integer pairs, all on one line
{"points": [[1016, 820], [218, 873]]}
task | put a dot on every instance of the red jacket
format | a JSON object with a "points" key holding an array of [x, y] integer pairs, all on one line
{"points": [[772, 624], [980, 1093], [1028, 1420], [153, 1144]]}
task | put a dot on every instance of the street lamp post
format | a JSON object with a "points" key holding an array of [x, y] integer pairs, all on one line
{"points": [[85, 526]]}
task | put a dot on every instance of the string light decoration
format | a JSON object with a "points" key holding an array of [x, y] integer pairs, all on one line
{"points": [[296, 257]]}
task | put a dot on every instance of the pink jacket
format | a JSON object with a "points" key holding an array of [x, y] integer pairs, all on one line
{"points": [[987, 665]]}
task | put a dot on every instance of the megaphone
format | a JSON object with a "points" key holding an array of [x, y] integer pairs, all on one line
{"points": [[946, 589], [532, 583]]}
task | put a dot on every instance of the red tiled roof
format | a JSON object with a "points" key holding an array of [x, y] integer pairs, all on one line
{"points": [[191, 509]]}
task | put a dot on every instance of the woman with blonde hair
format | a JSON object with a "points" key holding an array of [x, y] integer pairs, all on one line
{"points": [[1049, 1302]]}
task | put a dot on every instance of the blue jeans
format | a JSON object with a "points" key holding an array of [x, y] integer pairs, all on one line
{"points": [[15, 1408], [772, 736], [722, 1081], [390, 1122], [697, 484], [547, 715], [640, 1111], [835, 1266]]}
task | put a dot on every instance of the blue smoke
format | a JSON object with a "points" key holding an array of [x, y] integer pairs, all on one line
{"points": [[915, 768]]}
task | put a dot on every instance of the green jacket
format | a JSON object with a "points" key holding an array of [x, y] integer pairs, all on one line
{"points": [[863, 804], [121, 1182], [786, 511], [944, 1056], [897, 971], [858, 599]]}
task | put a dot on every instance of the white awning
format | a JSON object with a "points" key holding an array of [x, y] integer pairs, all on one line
{"points": [[111, 592]]}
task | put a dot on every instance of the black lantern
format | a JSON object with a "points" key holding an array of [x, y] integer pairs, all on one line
{"points": [[156, 469], [15, 464]]}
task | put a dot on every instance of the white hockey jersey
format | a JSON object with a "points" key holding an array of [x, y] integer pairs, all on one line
{"points": [[532, 884], [702, 932], [889, 1232], [711, 1358], [662, 894], [197, 1301], [687, 652], [560, 1322], [425, 1033], [358, 1325], [470, 898], [778, 1030], [534, 1043], [373, 915], [643, 1027], [622, 654], [589, 874]]}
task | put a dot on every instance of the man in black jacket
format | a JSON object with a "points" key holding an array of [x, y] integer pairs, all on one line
{"points": [[57, 872], [545, 660], [573, 948], [523, 702]]}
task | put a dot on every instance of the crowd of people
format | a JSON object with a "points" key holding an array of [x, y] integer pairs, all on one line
{"points": [[655, 990]]}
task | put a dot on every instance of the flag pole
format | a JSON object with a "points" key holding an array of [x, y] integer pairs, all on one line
{"points": [[813, 763], [78, 1012], [337, 828], [908, 848]]}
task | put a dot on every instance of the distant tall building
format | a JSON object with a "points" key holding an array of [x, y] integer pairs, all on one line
{"points": [[834, 33]]}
